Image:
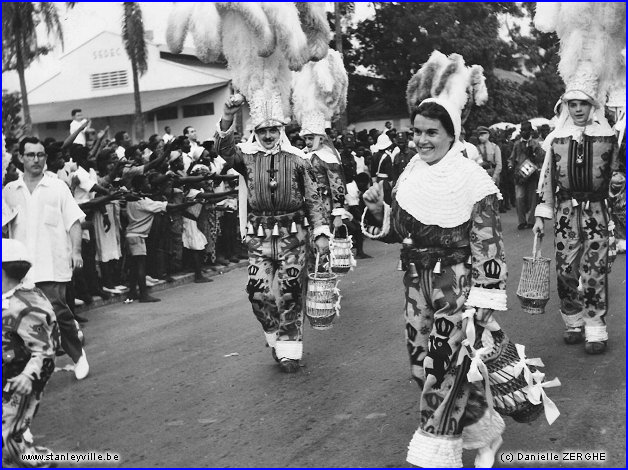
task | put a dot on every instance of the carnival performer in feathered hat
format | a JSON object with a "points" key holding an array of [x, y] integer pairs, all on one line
{"points": [[445, 213], [278, 193], [319, 95], [581, 158]]}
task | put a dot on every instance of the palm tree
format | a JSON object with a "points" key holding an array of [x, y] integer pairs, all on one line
{"points": [[135, 45], [340, 10], [19, 39]]}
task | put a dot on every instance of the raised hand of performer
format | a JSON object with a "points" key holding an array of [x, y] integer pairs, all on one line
{"points": [[374, 200], [232, 105]]}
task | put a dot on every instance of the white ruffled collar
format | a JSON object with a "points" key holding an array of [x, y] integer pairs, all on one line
{"points": [[326, 154], [445, 192]]}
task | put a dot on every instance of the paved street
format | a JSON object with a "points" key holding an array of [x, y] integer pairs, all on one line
{"points": [[188, 381]]}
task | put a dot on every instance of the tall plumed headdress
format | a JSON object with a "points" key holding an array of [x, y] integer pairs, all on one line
{"points": [[449, 81], [262, 42], [319, 93], [592, 37]]}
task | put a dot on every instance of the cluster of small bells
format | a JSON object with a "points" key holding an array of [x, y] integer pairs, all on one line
{"points": [[275, 233], [407, 244]]}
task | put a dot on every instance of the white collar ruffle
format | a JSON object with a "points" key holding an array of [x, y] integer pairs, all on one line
{"points": [[444, 193], [325, 154]]}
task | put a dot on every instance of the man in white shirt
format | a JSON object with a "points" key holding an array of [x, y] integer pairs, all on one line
{"points": [[78, 121], [470, 150], [167, 137], [48, 223], [196, 150], [124, 142]]}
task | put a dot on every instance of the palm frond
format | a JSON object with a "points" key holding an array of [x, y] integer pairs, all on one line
{"points": [[50, 16], [133, 36]]}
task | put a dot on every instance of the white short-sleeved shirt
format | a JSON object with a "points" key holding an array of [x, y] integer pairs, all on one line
{"points": [[43, 222], [472, 152], [80, 138], [120, 152], [196, 150], [86, 181]]}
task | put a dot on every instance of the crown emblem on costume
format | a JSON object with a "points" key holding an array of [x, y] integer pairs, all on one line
{"points": [[292, 272], [443, 327], [492, 269], [253, 270]]}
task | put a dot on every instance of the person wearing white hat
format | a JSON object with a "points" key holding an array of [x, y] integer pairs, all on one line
{"points": [[29, 339], [445, 212], [580, 158], [382, 164], [278, 200], [315, 106]]}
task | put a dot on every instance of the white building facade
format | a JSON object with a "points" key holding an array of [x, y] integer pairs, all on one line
{"points": [[176, 91]]}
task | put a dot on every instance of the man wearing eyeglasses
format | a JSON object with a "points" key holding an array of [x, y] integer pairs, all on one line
{"points": [[47, 221]]}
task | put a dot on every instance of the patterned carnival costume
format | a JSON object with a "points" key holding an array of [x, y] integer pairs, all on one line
{"points": [[573, 192], [446, 215], [319, 94], [579, 163], [282, 191], [29, 339], [263, 43]]}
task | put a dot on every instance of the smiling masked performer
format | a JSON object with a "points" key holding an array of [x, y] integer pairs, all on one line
{"points": [[445, 212], [580, 160], [262, 42]]}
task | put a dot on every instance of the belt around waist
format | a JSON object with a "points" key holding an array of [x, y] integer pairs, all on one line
{"points": [[581, 196], [269, 219], [426, 258]]}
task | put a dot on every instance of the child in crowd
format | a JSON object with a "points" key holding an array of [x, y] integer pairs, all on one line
{"points": [[140, 215], [29, 340]]}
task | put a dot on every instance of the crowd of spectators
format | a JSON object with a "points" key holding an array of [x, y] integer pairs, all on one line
{"points": [[153, 209], [167, 205]]}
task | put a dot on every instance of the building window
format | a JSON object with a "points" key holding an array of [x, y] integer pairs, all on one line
{"points": [[203, 109], [118, 78], [164, 114]]}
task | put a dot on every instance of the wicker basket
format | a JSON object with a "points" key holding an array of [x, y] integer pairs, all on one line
{"points": [[534, 286], [509, 398], [321, 298], [340, 248]]}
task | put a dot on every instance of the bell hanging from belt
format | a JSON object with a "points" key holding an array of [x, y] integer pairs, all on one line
{"points": [[249, 229], [293, 228], [273, 185], [574, 202], [276, 230], [306, 222], [437, 267], [400, 266], [412, 272], [260, 230]]}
